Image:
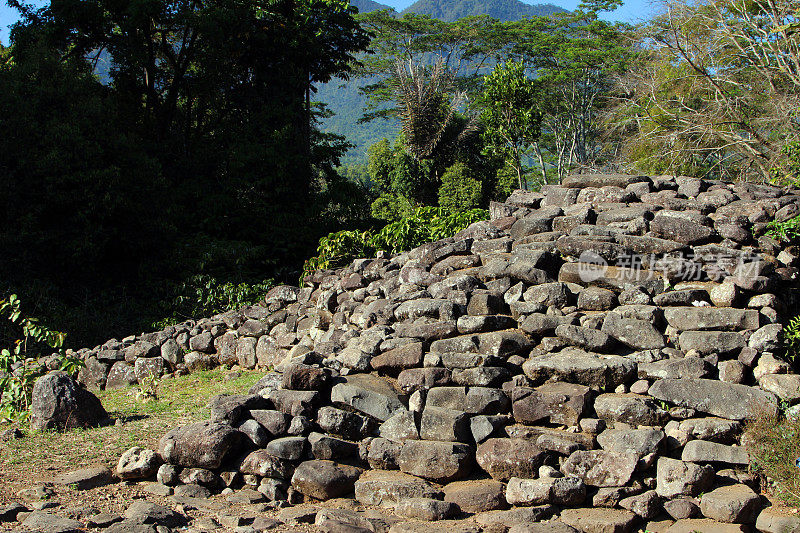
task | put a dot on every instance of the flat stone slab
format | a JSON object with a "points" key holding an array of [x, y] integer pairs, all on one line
{"points": [[577, 366], [599, 520], [387, 487], [773, 520], [50, 523], [367, 394], [86, 478], [704, 318], [705, 525], [718, 398]]}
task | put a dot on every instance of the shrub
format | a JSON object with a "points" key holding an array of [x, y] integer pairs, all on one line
{"points": [[205, 295], [786, 231], [22, 341], [459, 189], [426, 224]]}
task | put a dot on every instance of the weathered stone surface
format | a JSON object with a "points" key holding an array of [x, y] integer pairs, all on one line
{"points": [[324, 480], [687, 367], [121, 375], [727, 400], [646, 505], [473, 400], [437, 461], [203, 444], [58, 402], [506, 458], [559, 491], [561, 403], [576, 366], [640, 442], [50, 523], [85, 478], [138, 463], [703, 318], [784, 386], [701, 451], [368, 394], [425, 509], [263, 463], [774, 520], [636, 334], [520, 517], [589, 339], [733, 503], [401, 426], [708, 342], [678, 478], [629, 408], [601, 468], [383, 487], [476, 496], [442, 424], [407, 356], [705, 525], [599, 520]]}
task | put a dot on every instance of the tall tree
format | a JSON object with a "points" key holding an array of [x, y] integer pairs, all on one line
{"points": [[574, 56], [512, 118], [716, 89]]}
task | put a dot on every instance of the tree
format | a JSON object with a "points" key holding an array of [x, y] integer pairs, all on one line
{"points": [[511, 115], [574, 57], [716, 90]]}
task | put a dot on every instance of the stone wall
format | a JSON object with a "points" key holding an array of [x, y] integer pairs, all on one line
{"points": [[590, 353]]}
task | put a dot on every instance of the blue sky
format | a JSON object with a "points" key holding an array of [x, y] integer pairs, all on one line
{"points": [[631, 11]]}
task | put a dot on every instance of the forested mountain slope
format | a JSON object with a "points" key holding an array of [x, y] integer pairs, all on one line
{"points": [[347, 104]]}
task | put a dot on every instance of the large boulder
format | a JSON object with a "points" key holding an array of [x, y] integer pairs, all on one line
{"points": [[202, 444], [58, 402], [726, 400], [324, 480]]}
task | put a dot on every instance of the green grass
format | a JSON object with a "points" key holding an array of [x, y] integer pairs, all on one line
{"points": [[180, 401], [774, 447]]}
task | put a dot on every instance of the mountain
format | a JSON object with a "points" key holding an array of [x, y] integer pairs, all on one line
{"points": [[347, 104], [505, 10], [365, 6]]}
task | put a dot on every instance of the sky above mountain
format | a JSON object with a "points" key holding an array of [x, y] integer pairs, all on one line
{"points": [[631, 11]]}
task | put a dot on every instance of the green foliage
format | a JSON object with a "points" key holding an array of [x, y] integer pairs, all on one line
{"points": [[426, 224], [791, 339], [391, 207], [788, 173], [459, 190], [504, 10], [201, 135], [774, 446], [511, 114], [204, 295], [24, 339], [786, 231]]}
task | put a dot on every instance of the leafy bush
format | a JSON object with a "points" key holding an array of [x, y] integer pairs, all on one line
{"points": [[459, 189], [426, 224], [791, 338], [23, 339], [204, 295], [786, 231]]}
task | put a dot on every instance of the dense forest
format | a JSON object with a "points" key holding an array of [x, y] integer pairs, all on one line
{"points": [[194, 173]]}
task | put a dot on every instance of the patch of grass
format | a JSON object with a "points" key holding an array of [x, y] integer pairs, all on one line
{"points": [[774, 447], [181, 401]]}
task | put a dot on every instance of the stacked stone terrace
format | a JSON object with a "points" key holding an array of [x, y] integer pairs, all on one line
{"points": [[585, 360]]}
